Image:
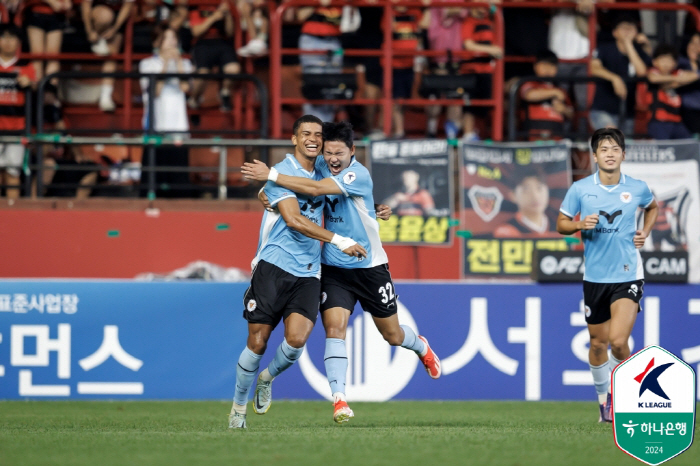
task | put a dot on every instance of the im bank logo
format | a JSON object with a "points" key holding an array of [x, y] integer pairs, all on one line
{"points": [[653, 396]]}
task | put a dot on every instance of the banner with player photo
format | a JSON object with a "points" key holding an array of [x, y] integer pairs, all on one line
{"points": [[414, 178], [511, 194], [672, 171]]}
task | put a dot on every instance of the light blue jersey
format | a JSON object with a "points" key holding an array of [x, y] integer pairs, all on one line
{"points": [[609, 251], [289, 250], [352, 214]]}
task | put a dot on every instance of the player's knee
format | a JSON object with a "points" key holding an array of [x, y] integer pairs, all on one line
{"points": [[295, 341], [257, 343], [598, 347], [393, 337], [618, 345]]}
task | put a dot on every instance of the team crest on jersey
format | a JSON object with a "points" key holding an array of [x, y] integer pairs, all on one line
{"points": [[324, 297], [486, 202], [349, 177], [251, 305], [626, 197]]}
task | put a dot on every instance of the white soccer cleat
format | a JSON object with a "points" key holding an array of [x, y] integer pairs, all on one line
{"points": [[236, 421], [263, 396]]}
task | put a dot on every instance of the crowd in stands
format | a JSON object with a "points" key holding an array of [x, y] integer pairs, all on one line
{"points": [[646, 86]]}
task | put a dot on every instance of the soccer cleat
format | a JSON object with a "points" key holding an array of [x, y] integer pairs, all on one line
{"points": [[430, 360], [263, 396], [342, 412], [606, 410], [236, 421]]}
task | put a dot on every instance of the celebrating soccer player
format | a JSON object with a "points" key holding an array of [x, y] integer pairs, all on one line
{"points": [[614, 276], [349, 210], [286, 269]]}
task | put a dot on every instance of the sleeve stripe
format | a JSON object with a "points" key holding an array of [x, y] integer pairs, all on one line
{"points": [[272, 204], [340, 185], [567, 213], [649, 203]]}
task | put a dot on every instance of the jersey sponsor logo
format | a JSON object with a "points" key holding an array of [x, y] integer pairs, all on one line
{"points": [[610, 217], [626, 197], [349, 177], [486, 202], [251, 305], [331, 219], [311, 205], [379, 373], [332, 202]]}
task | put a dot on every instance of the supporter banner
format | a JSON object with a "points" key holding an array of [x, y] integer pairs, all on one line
{"points": [[672, 171], [106, 340], [511, 195], [568, 266], [414, 178]]}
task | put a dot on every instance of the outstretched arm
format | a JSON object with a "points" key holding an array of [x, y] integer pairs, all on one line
{"points": [[260, 172], [289, 209]]}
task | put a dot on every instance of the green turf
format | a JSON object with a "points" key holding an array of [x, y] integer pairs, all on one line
{"points": [[394, 433]]}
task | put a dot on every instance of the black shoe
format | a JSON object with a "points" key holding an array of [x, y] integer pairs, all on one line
{"points": [[226, 105]]}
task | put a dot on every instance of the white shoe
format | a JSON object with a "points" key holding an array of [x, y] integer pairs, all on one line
{"points": [[106, 103], [236, 421], [254, 48], [263, 396], [100, 47]]}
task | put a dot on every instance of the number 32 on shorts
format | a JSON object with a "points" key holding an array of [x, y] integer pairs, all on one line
{"points": [[387, 292]]}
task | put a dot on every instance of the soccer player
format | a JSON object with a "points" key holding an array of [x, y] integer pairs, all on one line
{"points": [[286, 270], [614, 277], [349, 210]]}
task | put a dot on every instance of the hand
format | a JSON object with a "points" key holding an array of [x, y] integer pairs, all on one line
{"points": [[561, 95], [585, 7], [24, 81], [496, 52], [639, 238], [356, 251], [93, 36], [558, 105], [589, 222], [619, 87], [262, 197], [257, 171], [383, 212], [641, 39]]}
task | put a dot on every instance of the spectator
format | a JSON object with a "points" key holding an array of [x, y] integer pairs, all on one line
{"points": [[614, 62], [66, 165], [18, 79], [151, 13], [169, 108], [664, 101], [103, 21], [320, 31], [405, 37], [444, 31], [212, 32], [547, 105], [44, 22], [690, 98], [478, 37], [254, 19]]}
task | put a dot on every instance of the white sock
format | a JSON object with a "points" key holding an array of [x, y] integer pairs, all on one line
{"points": [[601, 380], [236, 408], [266, 376], [614, 362], [107, 90], [338, 396]]}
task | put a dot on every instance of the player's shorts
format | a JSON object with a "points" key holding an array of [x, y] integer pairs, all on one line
{"points": [[274, 295], [598, 297], [11, 158], [209, 53], [45, 22], [372, 287]]}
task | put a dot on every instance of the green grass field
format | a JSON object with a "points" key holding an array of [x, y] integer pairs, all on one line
{"points": [[291, 433]]}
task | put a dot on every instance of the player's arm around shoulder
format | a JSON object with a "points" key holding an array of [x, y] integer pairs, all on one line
{"points": [[258, 171], [289, 210]]}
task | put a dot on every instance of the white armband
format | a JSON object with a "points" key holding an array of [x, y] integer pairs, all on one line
{"points": [[272, 176]]}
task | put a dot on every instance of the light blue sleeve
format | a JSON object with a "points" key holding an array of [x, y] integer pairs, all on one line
{"points": [[354, 181], [647, 196], [276, 193], [571, 205]]}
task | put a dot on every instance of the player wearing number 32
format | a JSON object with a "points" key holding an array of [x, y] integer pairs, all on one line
{"points": [[349, 211], [613, 280]]}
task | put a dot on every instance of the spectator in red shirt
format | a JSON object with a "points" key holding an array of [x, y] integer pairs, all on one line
{"points": [[103, 21], [212, 30], [478, 37], [546, 105], [664, 101], [18, 79]]}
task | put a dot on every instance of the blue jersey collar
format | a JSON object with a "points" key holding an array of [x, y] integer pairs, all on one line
{"points": [[296, 165]]}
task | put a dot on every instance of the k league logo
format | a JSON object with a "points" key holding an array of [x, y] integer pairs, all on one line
{"points": [[653, 394]]}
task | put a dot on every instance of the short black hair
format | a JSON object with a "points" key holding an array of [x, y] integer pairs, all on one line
{"points": [[305, 119], [602, 134], [665, 49], [547, 56], [9, 28], [625, 17], [341, 132]]}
